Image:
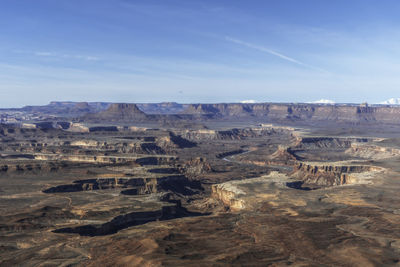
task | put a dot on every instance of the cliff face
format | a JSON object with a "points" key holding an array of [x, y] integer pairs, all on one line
{"points": [[234, 109], [82, 107], [119, 112], [330, 174], [229, 195], [299, 112], [273, 112], [248, 194], [233, 134], [162, 108], [326, 142], [196, 167]]}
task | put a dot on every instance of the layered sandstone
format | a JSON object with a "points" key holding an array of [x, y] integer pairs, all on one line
{"points": [[118, 112], [330, 174], [354, 114], [372, 151]]}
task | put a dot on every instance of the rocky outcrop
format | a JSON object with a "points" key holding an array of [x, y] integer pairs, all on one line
{"points": [[98, 159], [201, 134], [39, 125], [78, 127], [141, 145], [329, 174], [372, 151], [321, 142], [283, 156], [220, 110], [86, 158], [229, 195], [246, 194], [174, 141], [118, 112], [162, 108], [326, 142], [232, 134], [81, 107], [195, 167]]}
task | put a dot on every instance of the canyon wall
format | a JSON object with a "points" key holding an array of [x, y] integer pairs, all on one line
{"points": [[330, 174], [300, 112]]}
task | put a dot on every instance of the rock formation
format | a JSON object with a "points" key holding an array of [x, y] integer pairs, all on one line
{"points": [[118, 112], [339, 113], [329, 174]]}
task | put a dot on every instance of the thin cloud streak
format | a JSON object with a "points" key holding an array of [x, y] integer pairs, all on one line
{"points": [[272, 52], [57, 55]]}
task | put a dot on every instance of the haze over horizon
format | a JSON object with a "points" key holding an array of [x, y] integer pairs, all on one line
{"points": [[203, 51]]}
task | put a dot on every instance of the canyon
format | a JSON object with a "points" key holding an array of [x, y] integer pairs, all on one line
{"points": [[169, 184]]}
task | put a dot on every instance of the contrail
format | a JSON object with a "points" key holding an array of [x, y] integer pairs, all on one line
{"points": [[272, 52]]}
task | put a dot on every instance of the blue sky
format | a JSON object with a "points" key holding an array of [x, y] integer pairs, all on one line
{"points": [[198, 51]]}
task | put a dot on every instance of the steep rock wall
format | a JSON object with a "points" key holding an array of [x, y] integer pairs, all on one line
{"points": [[328, 174], [300, 112]]}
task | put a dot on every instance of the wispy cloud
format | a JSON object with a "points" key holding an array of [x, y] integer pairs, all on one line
{"points": [[272, 52], [58, 55]]}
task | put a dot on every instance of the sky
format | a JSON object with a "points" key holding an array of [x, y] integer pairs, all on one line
{"points": [[198, 51]]}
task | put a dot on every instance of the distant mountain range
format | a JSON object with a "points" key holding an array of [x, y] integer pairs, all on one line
{"points": [[320, 101], [167, 112], [391, 101]]}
